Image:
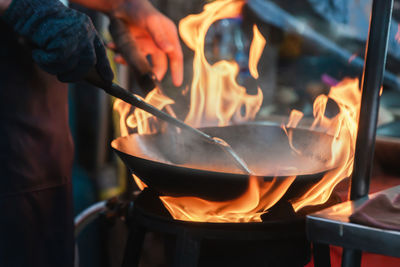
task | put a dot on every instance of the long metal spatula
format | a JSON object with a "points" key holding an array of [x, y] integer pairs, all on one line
{"points": [[123, 94]]}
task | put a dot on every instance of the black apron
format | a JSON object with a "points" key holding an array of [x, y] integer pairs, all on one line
{"points": [[36, 219]]}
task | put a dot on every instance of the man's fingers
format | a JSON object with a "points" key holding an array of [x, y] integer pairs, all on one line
{"points": [[160, 40], [176, 62], [158, 31], [166, 38], [159, 62]]}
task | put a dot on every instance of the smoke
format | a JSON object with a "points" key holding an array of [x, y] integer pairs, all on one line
{"points": [[265, 148]]}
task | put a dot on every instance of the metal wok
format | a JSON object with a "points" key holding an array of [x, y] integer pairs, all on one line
{"points": [[188, 167]]}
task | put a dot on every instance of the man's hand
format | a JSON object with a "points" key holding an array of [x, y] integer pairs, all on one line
{"points": [[64, 41], [155, 35]]}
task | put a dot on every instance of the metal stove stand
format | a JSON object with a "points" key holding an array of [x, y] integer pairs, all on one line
{"points": [[272, 243]]}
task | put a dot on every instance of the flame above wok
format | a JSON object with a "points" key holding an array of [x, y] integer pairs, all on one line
{"points": [[216, 99]]}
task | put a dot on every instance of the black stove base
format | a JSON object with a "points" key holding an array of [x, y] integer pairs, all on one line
{"points": [[280, 242]]}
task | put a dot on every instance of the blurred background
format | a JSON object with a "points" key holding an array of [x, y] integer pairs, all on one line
{"points": [[293, 71]]}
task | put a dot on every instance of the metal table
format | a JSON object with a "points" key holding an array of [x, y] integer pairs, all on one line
{"points": [[332, 226]]}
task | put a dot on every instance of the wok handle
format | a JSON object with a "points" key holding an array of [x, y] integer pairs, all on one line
{"points": [[127, 47]]}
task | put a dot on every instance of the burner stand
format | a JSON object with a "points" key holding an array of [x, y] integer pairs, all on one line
{"points": [[269, 243]]}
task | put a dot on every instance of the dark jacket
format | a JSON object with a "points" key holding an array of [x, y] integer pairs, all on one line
{"points": [[35, 161]]}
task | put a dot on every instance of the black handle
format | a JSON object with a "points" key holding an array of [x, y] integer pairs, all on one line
{"points": [[128, 48]]}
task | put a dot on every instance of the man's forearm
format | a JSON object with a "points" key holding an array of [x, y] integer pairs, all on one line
{"points": [[4, 5], [100, 5]]}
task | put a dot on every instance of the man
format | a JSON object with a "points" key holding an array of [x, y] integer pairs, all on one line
{"points": [[42, 42]]}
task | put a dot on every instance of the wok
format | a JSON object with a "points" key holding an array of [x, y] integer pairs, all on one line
{"points": [[171, 168]]}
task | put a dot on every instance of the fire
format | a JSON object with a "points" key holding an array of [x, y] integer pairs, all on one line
{"points": [[262, 195], [144, 122], [217, 99], [256, 49], [259, 197], [139, 182], [343, 127], [294, 119]]}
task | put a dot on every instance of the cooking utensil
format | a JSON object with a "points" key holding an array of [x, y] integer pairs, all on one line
{"points": [[127, 47], [119, 92], [209, 175]]}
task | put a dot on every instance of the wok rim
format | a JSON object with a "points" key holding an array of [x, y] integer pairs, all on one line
{"points": [[237, 175]]}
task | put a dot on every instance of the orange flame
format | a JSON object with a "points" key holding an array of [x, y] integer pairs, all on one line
{"points": [[256, 49], [294, 119], [217, 99], [344, 128], [144, 122], [139, 182], [259, 197]]}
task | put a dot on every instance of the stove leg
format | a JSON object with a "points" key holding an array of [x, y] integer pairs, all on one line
{"points": [[351, 257], [321, 255], [187, 250], [134, 246]]}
